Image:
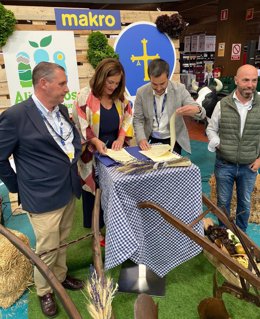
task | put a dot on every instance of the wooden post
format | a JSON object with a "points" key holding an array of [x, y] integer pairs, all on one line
{"points": [[97, 256], [145, 307]]}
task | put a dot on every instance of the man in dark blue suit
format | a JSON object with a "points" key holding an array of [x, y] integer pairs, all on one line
{"points": [[45, 146]]}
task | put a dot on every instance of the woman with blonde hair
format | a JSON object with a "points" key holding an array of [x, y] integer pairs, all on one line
{"points": [[103, 117]]}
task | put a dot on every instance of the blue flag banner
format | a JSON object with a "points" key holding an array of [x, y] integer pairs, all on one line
{"points": [[137, 45]]}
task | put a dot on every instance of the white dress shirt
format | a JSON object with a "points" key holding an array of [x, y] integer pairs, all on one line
{"points": [[58, 127], [163, 130], [213, 127]]}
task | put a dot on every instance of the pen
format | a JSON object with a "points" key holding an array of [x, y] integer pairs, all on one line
{"points": [[105, 145]]}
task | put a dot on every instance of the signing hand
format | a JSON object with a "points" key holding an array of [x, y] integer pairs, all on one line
{"points": [[99, 145], [144, 145], [118, 144]]}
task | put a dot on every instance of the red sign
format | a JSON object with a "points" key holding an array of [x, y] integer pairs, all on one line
{"points": [[250, 14], [224, 14], [236, 51]]}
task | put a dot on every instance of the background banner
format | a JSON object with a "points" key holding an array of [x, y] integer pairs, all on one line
{"points": [[25, 49]]}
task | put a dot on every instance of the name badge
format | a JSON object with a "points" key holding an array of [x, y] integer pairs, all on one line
{"points": [[70, 155]]}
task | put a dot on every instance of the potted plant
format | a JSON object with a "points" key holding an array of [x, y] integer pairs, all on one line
{"points": [[99, 49], [172, 25], [7, 24]]}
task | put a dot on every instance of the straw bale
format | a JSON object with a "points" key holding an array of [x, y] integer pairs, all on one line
{"points": [[15, 270], [255, 199]]}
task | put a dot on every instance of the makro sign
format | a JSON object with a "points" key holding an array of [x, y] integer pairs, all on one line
{"points": [[25, 49], [84, 19]]}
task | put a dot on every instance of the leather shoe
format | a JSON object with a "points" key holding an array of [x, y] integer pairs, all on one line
{"points": [[48, 305], [73, 283]]}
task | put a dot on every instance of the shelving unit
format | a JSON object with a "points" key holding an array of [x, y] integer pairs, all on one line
{"points": [[198, 56], [194, 63], [257, 59]]}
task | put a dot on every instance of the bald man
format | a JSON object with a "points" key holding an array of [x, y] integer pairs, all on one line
{"points": [[234, 134]]}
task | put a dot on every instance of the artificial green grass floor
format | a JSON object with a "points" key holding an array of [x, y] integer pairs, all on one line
{"points": [[186, 286]]}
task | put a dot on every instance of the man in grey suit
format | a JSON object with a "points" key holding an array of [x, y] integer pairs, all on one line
{"points": [[154, 105], [45, 146]]}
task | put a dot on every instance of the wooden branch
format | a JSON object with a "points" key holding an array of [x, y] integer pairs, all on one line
{"points": [[97, 256], [204, 243], [45, 271], [145, 307]]}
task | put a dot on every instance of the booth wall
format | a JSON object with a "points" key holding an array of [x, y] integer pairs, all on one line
{"points": [[43, 19]]}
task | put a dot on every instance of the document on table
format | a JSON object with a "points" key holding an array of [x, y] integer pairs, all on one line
{"points": [[160, 153], [121, 156], [172, 130]]}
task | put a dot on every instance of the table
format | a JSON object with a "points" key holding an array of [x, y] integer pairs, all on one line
{"points": [[142, 235]]}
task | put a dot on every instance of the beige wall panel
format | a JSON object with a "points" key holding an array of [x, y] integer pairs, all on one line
{"points": [[4, 103], [2, 75], [32, 13], [82, 57], [35, 27], [84, 82], [45, 13], [4, 89], [136, 16], [177, 67], [81, 43], [85, 71]]}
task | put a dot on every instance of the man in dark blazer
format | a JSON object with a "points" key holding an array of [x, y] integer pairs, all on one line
{"points": [[45, 146]]}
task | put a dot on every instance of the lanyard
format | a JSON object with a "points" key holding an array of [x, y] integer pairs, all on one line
{"points": [[60, 134], [155, 108]]}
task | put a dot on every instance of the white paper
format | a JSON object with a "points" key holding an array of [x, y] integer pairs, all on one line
{"points": [[172, 130], [121, 156]]}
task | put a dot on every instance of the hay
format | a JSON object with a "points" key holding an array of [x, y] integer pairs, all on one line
{"points": [[255, 199], [15, 270], [1, 200]]}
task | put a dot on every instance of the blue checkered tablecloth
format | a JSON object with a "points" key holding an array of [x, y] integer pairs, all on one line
{"points": [[142, 235]]}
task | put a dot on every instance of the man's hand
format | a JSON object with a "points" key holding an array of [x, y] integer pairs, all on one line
{"points": [[144, 145], [255, 165], [188, 110]]}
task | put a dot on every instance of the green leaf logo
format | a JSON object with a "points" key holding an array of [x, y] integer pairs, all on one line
{"points": [[33, 44], [45, 41]]}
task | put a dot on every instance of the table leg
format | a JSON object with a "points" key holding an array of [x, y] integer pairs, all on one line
{"points": [[135, 278]]}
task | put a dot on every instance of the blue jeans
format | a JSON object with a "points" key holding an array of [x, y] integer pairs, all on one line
{"points": [[226, 174]]}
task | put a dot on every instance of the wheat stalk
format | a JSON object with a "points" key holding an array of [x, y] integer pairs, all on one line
{"points": [[139, 167], [100, 291]]}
